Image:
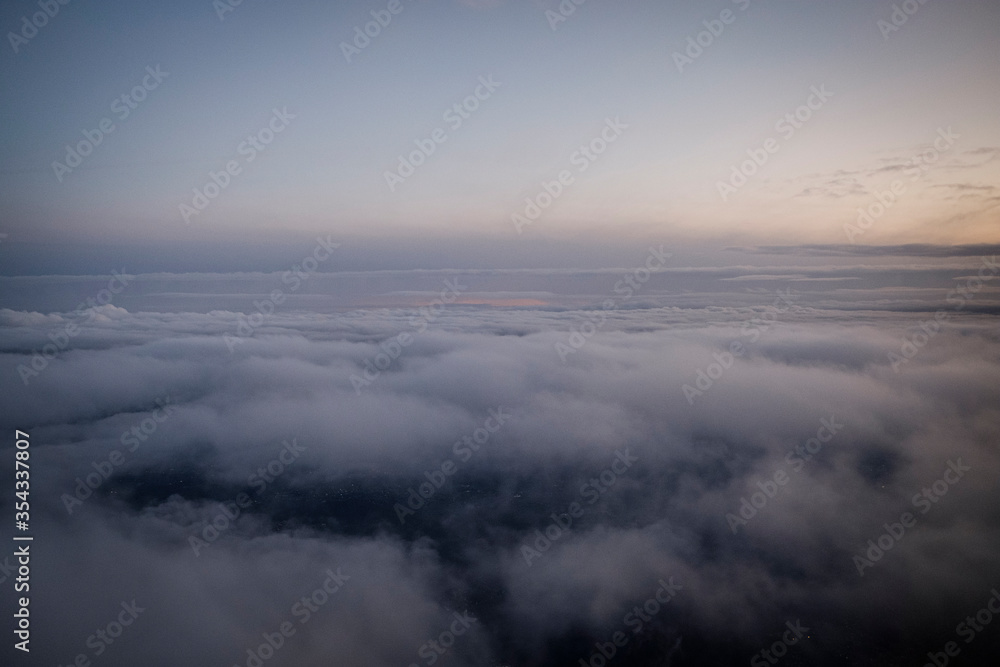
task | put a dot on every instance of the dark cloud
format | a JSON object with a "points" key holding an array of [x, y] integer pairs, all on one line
{"points": [[905, 250]]}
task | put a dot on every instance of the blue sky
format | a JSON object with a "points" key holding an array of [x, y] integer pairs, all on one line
{"points": [[325, 172]]}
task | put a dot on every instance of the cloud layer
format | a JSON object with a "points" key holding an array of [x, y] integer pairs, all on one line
{"points": [[199, 428]]}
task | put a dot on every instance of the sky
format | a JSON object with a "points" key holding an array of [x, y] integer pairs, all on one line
{"points": [[682, 126]]}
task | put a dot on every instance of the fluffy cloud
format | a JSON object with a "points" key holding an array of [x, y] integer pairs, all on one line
{"points": [[825, 361]]}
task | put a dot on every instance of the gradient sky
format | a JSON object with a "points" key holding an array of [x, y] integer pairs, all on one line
{"points": [[325, 172]]}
